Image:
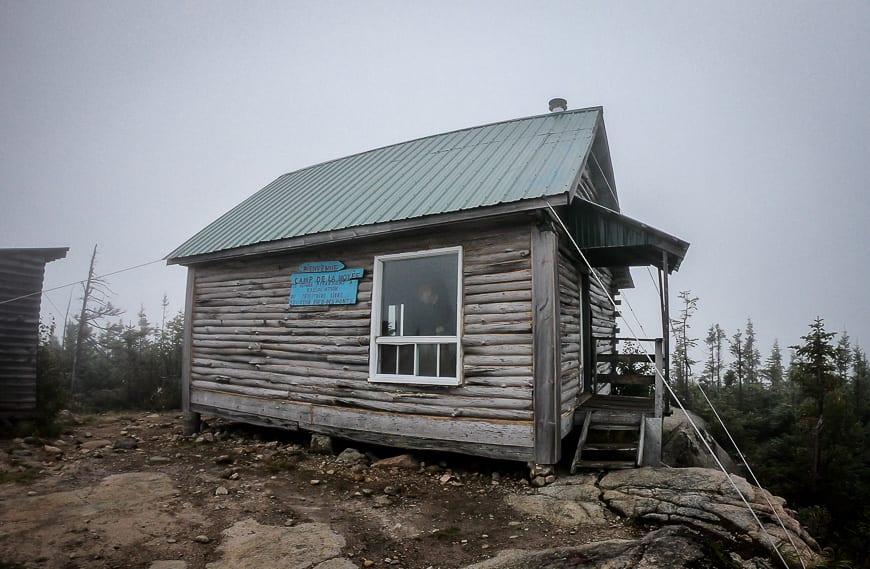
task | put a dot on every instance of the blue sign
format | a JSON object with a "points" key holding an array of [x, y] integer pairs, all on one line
{"points": [[327, 285], [321, 266]]}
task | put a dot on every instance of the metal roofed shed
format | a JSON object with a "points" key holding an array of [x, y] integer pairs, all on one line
{"points": [[436, 302], [21, 274]]}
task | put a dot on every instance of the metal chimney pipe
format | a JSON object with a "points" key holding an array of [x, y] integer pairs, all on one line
{"points": [[558, 105]]}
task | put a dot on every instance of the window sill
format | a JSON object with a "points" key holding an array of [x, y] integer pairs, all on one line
{"points": [[416, 380]]}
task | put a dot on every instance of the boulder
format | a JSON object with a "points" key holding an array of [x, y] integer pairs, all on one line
{"points": [[681, 446], [352, 456], [706, 500], [321, 444], [403, 461]]}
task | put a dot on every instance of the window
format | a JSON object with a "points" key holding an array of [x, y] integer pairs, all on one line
{"points": [[416, 318]]}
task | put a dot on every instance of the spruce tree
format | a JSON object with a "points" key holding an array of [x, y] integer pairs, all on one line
{"points": [[713, 365], [751, 356], [774, 370]]}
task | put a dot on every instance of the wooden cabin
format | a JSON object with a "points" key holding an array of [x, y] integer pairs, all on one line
{"points": [[21, 274], [449, 293]]}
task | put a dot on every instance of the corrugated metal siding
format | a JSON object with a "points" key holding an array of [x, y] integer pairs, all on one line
{"points": [[21, 272], [482, 166]]}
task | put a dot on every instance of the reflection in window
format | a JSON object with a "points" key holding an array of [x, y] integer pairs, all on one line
{"points": [[415, 336]]}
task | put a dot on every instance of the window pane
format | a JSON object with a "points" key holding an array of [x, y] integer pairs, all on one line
{"points": [[406, 359], [448, 360], [387, 363], [427, 364], [419, 296]]}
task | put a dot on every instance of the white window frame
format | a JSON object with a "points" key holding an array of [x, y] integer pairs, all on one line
{"points": [[377, 340]]}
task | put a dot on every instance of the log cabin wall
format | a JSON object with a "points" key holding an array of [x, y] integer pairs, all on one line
{"points": [[602, 322], [256, 358], [603, 314], [570, 332]]}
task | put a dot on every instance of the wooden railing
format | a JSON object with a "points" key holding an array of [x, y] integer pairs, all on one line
{"points": [[629, 374]]}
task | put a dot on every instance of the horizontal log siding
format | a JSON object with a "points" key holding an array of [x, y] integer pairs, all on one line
{"points": [[603, 314], [570, 321], [249, 342]]}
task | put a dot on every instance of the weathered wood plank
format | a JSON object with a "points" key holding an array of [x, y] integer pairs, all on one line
{"points": [[511, 440], [545, 328], [522, 277], [496, 339], [497, 327]]}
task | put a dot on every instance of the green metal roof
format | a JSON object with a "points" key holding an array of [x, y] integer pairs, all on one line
{"points": [[487, 165], [610, 239]]}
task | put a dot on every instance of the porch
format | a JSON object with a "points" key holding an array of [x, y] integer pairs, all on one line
{"points": [[621, 408], [621, 415]]}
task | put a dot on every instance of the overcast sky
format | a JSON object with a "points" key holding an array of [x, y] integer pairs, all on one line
{"points": [[741, 127]]}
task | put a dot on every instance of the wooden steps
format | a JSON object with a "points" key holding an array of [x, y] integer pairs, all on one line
{"points": [[610, 439]]}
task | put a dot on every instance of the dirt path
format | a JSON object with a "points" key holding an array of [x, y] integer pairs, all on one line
{"points": [[131, 491]]}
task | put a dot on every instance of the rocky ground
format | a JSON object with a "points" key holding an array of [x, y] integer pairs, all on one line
{"points": [[128, 490]]}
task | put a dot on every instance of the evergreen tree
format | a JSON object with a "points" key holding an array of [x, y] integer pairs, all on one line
{"points": [[774, 372], [816, 363], [713, 365], [682, 360], [738, 364], [751, 356], [816, 374], [843, 357], [860, 385]]}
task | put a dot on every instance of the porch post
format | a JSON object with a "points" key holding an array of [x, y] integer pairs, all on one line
{"points": [[660, 388], [666, 327], [666, 315]]}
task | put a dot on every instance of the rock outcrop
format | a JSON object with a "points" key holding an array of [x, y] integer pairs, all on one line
{"points": [[672, 547], [704, 499], [701, 499], [250, 545]]}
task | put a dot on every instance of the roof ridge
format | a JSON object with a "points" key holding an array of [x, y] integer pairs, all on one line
{"points": [[445, 133]]}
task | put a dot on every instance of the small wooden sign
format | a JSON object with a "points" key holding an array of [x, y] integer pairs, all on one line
{"points": [[324, 282], [321, 266]]}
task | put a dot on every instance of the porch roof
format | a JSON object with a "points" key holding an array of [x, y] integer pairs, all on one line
{"points": [[611, 239]]}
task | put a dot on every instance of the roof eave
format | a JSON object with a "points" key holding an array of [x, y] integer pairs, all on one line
{"points": [[374, 230], [48, 254]]}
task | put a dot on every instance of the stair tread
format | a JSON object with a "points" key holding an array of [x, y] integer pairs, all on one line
{"points": [[614, 427], [610, 446], [617, 417], [609, 464]]}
